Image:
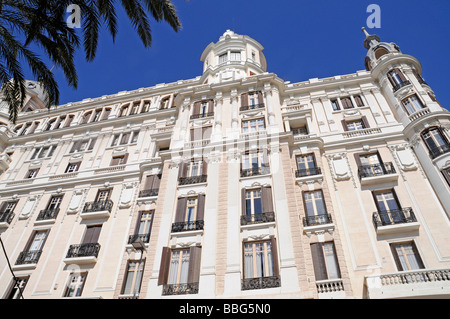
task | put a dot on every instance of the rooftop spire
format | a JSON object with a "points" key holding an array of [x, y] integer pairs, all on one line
{"points": [[370, 40]]}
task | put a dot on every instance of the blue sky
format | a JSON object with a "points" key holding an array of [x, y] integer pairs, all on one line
{"points": [[303, 39]]}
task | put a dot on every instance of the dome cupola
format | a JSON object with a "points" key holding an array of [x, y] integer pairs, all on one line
{"points": [[234, 56], [376, 49]]}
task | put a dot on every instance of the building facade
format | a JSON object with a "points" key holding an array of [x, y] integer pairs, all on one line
{"points": [[234, 184]]}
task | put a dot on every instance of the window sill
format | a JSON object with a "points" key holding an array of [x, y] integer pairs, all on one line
{"points": [[95, 215], [80, 260], [318, 229]]}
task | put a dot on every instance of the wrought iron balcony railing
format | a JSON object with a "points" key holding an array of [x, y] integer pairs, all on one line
{"points": [[83, 250], [317, 220], [260, 283], [144, 237], [149, 192], [392, 217], [255, 171], [98, 206], [437, 151], [376, 170], [252, 107], [180, 289], [398, 86], [201, 115], [257, 218], [192, 179], [308, 172], [6, 217], [28, 257], [48, 214], [186, 226]]}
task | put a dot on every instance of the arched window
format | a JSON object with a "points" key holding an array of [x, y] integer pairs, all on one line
{"points": [[380, 52], [436, 142]]}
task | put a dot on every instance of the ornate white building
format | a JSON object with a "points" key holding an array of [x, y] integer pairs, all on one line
{"points": [[232, 184]]}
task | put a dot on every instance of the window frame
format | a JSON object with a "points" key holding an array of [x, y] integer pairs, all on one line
{"points": [[77, 287]]}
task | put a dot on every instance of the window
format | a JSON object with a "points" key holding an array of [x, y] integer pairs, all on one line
{"points": [[223, 58], [16, 289], [165, 103], [103, 195], [194, 168], [253, 202], [300, 131], [8, 207], [25, 129], [203, 109], [72, 167], [133, 277], [34, 247], [32, 173], [201, 133], [396, 78], [306, 165], [412, 104], [189, 214], [379, 52], [254, 160], [315, 205], [151, 185], [355, 125], [144, 225], [119, 160], [446, 173], [257, 205], [258, 259], [123, 110], [347, 103], [180, 270], [146, 107], [85, 118], [97, 114], [435, 141], [406, 256], [75, 285], [386, 200], [83, 145], [54, 203], [335, 105], [135, 108], [358, 100], [42, 152], [191, 210], [251, 100], [253, 125], [235, 56], [325, 261], [371, 165], [125, 138]]}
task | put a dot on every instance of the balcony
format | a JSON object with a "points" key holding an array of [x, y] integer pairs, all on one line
{"points": [[394, 221], [330, 288], [398, 86], [438, 151], [148, 192], [143, 237], [260, 218], [377, 173], [260, 283], [192, 180], [255, 171], [180, 289], [47, 215], [201, 115], [30, 257], [187, 226], [308, 172], [252, 107], [98, 209], [318, 224], [420, 283], [6, 219], [82, 254]]}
